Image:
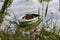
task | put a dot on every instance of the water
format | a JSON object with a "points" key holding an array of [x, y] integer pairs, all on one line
{"points": [[21, 7]]}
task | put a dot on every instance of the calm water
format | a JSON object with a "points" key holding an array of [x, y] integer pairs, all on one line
{"points": [[22, 7]]}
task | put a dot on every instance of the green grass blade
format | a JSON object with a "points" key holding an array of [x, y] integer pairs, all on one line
{"points": [[46, 10]]}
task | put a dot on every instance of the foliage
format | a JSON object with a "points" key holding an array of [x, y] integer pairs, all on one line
{"points": [[45, 35]]}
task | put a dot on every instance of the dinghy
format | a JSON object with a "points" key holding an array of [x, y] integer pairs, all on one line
{"points": [[29, 21]]}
